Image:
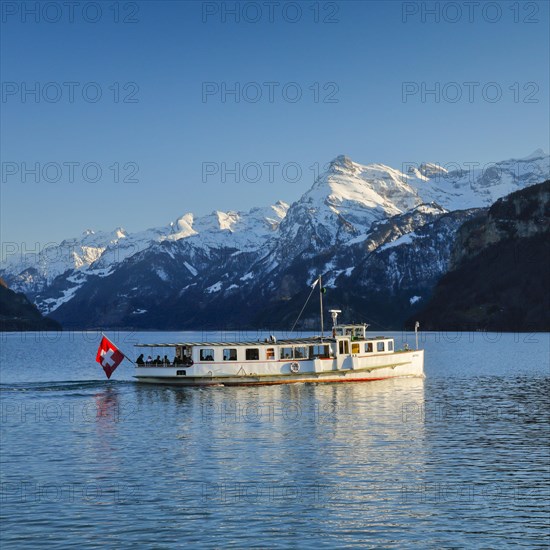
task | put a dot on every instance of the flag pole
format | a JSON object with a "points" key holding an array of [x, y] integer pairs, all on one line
{"points": [[321, 304], [304, 306]]}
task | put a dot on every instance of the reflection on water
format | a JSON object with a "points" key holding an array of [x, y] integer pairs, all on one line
{"points": [[107, 406], [459, 459]]}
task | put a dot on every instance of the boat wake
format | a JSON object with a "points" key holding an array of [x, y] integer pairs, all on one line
{"points": [[63, 386]]}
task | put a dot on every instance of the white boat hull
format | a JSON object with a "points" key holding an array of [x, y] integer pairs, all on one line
{"points": [[341, 369]]}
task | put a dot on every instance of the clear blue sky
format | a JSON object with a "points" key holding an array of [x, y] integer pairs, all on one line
{"points": [[363, 58]]}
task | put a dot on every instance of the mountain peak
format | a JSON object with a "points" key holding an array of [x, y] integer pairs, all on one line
{"points": [[342, 161], [429, 169], [183, 226], [537, 153]]}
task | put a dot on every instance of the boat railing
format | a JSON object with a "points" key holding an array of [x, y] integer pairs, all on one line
{"points": [[171, 364]]}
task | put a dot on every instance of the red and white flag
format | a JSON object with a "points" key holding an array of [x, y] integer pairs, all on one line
{"points": [[108, 356]]}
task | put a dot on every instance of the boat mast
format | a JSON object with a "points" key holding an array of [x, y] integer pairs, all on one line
{"points": [[321, 304]]}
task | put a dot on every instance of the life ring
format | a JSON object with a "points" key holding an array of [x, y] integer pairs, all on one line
{"points": [[294, 367]]}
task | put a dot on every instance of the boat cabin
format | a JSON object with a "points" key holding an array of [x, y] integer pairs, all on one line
{"points": [[346, 340], [287, 350]]}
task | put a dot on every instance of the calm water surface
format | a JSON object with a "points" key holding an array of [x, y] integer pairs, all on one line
{"points": [[457, 460]]}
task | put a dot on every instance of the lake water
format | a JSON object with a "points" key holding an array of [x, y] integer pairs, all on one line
{"points": [[459, 459]]}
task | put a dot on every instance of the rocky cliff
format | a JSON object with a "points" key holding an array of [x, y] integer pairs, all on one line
{"points": [[500, 269]]}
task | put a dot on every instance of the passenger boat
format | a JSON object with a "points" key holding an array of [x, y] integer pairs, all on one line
{"points": [[349, 354]]}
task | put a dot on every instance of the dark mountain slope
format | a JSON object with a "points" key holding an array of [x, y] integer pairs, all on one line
{"points": [[17, 313], [500, 272]]}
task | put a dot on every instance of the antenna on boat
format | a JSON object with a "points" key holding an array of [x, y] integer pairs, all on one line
{"points": [[334, 313]]}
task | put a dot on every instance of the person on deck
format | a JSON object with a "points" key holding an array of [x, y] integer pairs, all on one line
{"points": [[139, 360]]}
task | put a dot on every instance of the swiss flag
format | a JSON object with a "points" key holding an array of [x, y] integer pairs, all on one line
{"points": [[108, 356]]}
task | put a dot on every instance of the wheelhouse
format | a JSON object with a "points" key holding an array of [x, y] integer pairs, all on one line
{"points": [[353, 340], [354, 332]]}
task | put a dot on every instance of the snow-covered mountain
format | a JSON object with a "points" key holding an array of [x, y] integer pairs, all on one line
{"points": [[479, 186], [68, 265], [346, 199], [343, 203], [226, 260]]}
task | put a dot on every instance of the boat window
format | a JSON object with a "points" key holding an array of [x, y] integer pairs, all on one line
{"points": [[358, 332], [339, 332], [368, 347], [349, 331], [206, 354], [252, 354], [390, 345], [270, 353], [286, 353], [230, 354], [355, 348], [300, 352], [343, 347], [379, 346], [318, 351]]}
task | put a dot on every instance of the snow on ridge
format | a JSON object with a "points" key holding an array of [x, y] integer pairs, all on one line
{"points": [[481, 186], [51, 304], [162, 275], [193, 271], [404, 239], [216, 287], [536, 154], [232, 229], [96, 250]]}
